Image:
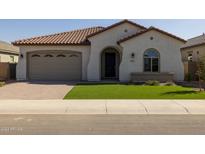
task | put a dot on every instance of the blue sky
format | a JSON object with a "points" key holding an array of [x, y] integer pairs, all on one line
{"points": [[11, 30]]}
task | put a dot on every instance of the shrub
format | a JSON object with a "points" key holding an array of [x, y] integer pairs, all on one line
{"points": [[201, 68], [169, 83], [2, 84], [189, 77], [152, 83]]}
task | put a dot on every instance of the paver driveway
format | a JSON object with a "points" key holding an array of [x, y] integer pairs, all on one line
{"points": [[35, 90]]}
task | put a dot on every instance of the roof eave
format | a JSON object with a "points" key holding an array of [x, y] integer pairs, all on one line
{"points": [[195, 45], [9, 52], [86, 43], [169, 34]]}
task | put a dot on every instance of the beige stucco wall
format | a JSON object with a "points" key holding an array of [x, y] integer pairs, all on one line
{"points": [[185, 52], [21, 73], [103, 40], [169, 49], [7, 58]]}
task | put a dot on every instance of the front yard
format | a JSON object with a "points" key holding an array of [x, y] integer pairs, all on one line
{"points": [[119, 91]]}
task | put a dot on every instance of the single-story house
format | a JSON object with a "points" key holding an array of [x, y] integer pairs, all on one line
{"points": [[123, 51], [192, 51], [8, 53]]}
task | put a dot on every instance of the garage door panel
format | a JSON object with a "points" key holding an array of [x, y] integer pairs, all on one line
{"points": [[55, 66]]}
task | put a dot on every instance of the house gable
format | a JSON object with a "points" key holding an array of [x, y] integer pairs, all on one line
{"points": [[105, 40], [168, 48], [148, 30], [112, 35], [115, 25]]}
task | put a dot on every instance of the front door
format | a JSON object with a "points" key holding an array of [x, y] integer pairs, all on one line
{"points": [[110, 65]]}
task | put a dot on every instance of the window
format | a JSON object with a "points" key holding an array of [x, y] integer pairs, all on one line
{"points": [[35, 55], [151, 60], [189, 57], [60, 55], [12, 59], [73, 55], [48, 55]]}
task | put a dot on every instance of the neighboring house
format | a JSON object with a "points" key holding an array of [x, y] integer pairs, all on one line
{"points": [[123, 51], [194, 48], [8, 53], [192, 51]]}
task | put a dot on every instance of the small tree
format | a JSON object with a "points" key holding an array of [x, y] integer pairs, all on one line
{"points": [[200, 64]]}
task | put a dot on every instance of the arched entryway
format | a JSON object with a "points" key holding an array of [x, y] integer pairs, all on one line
{"points": [[110, 60]]}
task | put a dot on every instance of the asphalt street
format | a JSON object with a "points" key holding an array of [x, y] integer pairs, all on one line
{"points": [[45, 124]]}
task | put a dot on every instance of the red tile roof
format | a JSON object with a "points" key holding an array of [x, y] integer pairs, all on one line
{"points": [[151, 28], [75, 37], [79, 37]]}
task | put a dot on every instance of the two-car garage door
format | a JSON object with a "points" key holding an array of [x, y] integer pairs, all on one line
{"points": [[53, 65]]}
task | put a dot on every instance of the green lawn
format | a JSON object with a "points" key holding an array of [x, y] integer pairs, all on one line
{"points": [[118, 91]]}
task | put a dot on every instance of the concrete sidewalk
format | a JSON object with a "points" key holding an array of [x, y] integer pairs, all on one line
{"points": [[143, 107]]}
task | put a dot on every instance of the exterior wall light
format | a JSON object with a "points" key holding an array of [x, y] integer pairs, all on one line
{"points": [[132, 55], [21, 55]]}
